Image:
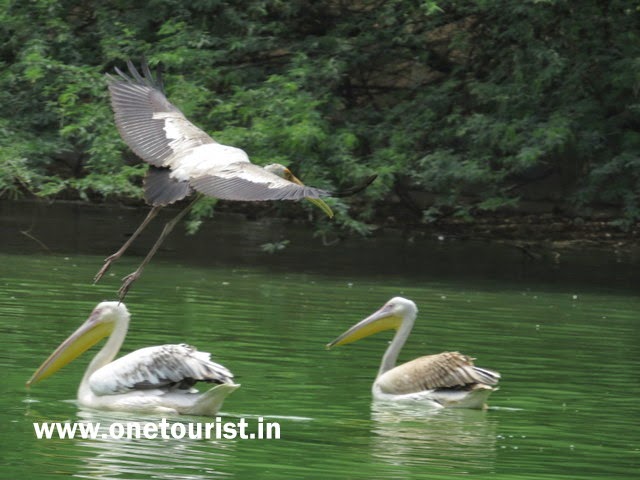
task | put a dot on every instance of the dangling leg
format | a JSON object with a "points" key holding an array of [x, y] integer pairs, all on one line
{"points": [[112, 258], [132, 277]]}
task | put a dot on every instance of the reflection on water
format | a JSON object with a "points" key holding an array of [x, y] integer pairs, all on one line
{"points": [[457, 440], [149, 458]]}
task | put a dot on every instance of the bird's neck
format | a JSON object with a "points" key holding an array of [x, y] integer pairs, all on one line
{"points": [[106, 354], [391, 355]]}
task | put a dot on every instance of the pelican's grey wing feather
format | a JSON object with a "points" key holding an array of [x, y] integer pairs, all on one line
{"points": [[150, 125], [163, 366]]}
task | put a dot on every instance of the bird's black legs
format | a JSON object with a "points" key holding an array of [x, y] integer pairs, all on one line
{"points": [[132, 277], [112, 258]]}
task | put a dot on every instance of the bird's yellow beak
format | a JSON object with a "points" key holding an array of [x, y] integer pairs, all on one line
{"points": [[383, 319], [87, 335], [318, 202]]}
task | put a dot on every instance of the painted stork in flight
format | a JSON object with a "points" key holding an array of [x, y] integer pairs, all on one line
{"points": [[184, 159]]}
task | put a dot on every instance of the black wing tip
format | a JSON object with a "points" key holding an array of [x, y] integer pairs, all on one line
{"points": [[134, 77], [357, 188]]}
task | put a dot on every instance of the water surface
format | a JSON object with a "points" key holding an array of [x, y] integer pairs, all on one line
{"points": [[566, 344]]}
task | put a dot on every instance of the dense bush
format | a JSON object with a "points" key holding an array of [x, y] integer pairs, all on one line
{"points": [[472, 102]]}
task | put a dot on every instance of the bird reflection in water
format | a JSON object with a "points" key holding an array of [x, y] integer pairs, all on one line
{"points": [[150, 458], [454, 440]]}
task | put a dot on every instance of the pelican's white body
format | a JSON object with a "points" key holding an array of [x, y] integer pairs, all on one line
{"points": [[155, 379]]}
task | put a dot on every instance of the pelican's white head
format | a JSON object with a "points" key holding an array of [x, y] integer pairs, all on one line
{"points": [[391, 315], [100, 324], [402, 307]]}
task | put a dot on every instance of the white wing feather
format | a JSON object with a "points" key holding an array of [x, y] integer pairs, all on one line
{"points": [[154, 128]]}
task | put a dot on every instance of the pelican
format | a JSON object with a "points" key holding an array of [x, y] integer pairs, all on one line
{"points": [[157, 379], [184, 159], [447, 379]]}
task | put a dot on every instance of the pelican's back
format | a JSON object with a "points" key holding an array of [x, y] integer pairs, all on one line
{"points": [[447, 370]]}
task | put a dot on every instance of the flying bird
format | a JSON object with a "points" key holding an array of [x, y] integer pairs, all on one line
{"points": [[184, 159], [156, 379], [447, 379]]}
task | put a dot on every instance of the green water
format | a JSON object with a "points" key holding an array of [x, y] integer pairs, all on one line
{"points": [[568, 353]]}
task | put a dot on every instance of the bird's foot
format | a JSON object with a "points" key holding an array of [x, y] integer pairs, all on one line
{"points": [[105, 268], [127, 282]]}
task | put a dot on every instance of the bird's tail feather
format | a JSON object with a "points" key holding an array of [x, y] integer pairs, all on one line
{"points": [[210, 402], [488, 377], [160, 189]]}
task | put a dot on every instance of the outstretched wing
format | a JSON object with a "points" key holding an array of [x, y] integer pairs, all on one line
{"points": [[245, 181], [432, 372], [153, 128], [163, 366], [161, 135]]}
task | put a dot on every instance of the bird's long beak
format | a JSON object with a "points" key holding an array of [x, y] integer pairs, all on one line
{"points": [[318, 202], [87, 335], [383, 319]]}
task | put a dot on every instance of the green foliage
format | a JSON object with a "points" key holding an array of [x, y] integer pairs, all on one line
{"points": [[470, 101], [274, 247], [203, 208]]}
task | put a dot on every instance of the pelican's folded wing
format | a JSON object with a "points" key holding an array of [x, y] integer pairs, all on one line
{"points": [[245, 181], [447, 370], [150, 125], [163, 366]]}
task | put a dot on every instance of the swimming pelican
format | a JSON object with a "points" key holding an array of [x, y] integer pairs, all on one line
{"points": [[183, 158], [447, 379], [156, 379]]}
